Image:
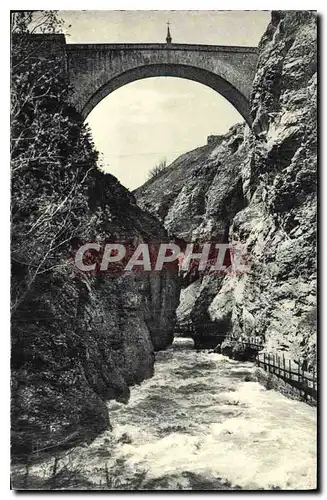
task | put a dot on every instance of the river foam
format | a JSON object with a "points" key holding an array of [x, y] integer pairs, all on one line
{"points": [[197, 424]]}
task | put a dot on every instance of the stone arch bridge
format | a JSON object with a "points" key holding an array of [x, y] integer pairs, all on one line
{"points": [[96, 70]]}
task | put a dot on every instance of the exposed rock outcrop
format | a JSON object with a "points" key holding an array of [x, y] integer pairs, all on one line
{"points": [[86, 338], [198, 195], [258, 188]]}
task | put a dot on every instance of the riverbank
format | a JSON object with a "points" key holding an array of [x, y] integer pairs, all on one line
{"points": [[196, 425]]}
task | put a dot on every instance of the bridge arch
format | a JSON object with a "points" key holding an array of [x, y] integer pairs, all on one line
{"points": [[95, 70], [200, 75]]}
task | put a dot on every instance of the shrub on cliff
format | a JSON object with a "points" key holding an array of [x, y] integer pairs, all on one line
{"points": [[51, 155], [158, 169]]}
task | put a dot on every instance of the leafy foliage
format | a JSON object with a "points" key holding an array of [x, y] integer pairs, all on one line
{"points": [[51, 153]]}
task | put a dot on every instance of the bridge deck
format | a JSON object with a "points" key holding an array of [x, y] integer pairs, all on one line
{"points": [[160, 46]]}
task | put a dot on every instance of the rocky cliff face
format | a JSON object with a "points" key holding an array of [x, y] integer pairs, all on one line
{"points": [[257, 187], [201, 191], [79, 340]]}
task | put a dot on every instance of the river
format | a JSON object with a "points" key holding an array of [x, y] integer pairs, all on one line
{"points": [[197, 424]]}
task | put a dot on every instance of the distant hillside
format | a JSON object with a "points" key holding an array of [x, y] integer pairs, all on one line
{"points": [[194, 174]]}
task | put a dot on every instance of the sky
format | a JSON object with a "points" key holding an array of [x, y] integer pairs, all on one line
{"points": [[141, 123]]}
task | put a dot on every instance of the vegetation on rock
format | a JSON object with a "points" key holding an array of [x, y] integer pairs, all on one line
{"points": [[157, 169], [77, 340]]}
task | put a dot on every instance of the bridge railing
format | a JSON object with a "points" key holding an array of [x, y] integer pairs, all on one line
{"points": [[189, 327], [252, 342]]}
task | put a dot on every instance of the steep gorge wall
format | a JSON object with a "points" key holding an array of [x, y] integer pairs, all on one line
{"points": [[79, 339], [257, 187], [277, 298]]}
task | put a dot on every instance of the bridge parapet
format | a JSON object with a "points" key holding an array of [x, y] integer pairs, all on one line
{"points": [[158, 46]]}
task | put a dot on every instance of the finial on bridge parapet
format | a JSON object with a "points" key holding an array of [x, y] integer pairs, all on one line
{"points": [[168, 37]]}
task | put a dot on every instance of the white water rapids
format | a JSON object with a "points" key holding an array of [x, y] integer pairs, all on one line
{"points": [[197, 424]]}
